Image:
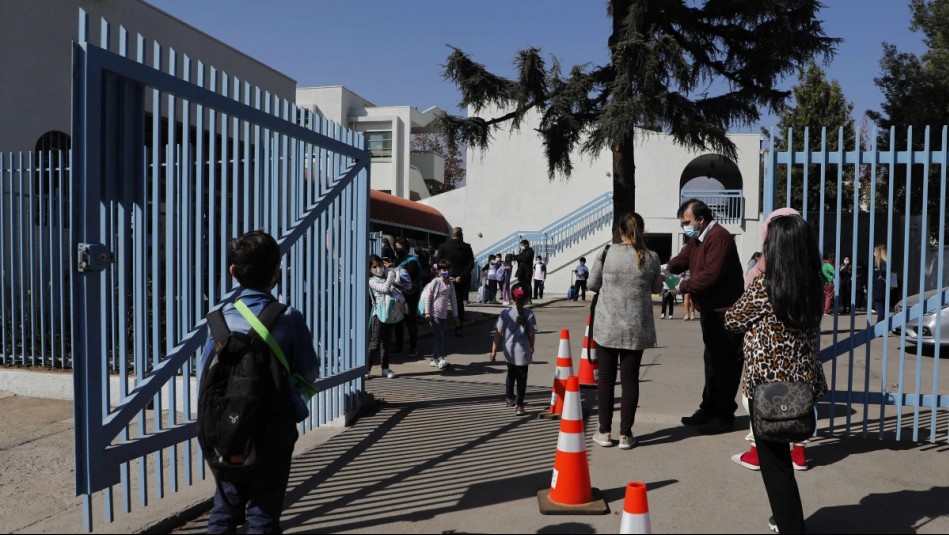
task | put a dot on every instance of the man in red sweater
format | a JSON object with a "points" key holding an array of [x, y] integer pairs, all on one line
{"points": [[715, 284]]}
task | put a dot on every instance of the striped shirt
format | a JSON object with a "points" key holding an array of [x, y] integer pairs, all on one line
{"points": [[438, 296]]}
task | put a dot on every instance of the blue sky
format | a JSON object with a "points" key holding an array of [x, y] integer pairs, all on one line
{"points": [[391, 52]]}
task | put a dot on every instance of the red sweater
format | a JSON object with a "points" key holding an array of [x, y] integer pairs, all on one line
{"points": [[715, 281]]}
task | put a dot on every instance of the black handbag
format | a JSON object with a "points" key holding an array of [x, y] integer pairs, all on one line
{"points": [[784, 412]]}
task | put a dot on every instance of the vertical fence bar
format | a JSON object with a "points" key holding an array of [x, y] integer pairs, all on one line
{"points": [[854, 238], [889, 270], [940, 265], [923, 245]]}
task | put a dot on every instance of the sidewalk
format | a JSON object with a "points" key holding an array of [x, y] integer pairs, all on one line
{"points": [[445, 454]]}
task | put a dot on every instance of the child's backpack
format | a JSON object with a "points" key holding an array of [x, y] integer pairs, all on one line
{"points": [[391, 308], [404, 279], [430, 289], [243, 405]]}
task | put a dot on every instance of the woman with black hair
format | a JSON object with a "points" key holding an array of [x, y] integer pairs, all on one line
{"points": [[781, 311]]}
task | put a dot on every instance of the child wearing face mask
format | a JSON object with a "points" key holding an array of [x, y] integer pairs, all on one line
{"points": [[381, 283], [437, 297]]}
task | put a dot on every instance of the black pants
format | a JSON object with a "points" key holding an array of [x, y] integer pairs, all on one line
{"points": [[525, 279], [723, 360], [629, 363], [258, 502], [668, 300], [516, 375], [461, 295], [410, 322], [492, 290], [778, 476], [538, 289], [581, 289], [380, 336]]}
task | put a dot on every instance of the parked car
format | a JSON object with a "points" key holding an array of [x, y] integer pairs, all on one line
{"points": [[930, 320]]}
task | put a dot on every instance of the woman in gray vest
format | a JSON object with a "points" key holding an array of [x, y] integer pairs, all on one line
{"points": [[624, 276]]}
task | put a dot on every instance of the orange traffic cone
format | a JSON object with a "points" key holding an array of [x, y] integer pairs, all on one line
{"points": [[570, 491], [588, 371], [563, 371], [635, 510]]}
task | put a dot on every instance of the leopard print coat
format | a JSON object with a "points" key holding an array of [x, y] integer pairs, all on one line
{"points": [[773, 352]]}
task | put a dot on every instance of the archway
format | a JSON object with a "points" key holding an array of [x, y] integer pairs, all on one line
{"points": [[710, 172]]}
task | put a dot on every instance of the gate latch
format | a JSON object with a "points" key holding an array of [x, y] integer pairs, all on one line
{"points": [[93, 257]]}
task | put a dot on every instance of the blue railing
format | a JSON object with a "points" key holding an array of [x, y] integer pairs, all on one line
{"points": [[154, 220], [557, 236], [912, 402], [728, 205]]}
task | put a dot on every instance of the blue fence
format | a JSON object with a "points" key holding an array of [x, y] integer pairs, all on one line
{"points": [[862, 199], [34, 251], [170, 161]]}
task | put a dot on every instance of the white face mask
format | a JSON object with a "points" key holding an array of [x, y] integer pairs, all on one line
{"points": [[378, 271]]}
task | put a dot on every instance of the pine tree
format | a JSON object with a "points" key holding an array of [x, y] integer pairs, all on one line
{"points": [[666, 56], [916, 93], [817, 103]]}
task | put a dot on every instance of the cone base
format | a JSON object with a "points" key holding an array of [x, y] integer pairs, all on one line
{"points": [[584, 385], [547, 415], [548, 507]]}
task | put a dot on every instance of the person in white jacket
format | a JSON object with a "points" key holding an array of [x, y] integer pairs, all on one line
{"points": [[381, 284]]}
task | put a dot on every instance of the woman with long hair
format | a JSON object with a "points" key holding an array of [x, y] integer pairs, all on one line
{"points": [[624, 276], [781, 311]]}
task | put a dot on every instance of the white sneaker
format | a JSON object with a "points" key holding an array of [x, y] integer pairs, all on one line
{"points": [[434, 363], [387, 373], [442, 364], [627, 442], [603, 439], [662, 316]]}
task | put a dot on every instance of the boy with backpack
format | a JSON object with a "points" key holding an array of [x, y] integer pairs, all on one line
{"points": [[247, 427]]}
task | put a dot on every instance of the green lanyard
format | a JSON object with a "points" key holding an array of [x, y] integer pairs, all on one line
{"points": [[303, 387]]}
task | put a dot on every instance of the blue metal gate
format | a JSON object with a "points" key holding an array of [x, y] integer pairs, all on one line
{"points": [[166, 170], [866, 197]]}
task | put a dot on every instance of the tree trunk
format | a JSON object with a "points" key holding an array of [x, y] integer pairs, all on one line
{"points": [[624, 179]]}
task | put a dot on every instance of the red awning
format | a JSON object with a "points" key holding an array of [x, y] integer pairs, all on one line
{"points": [[401, 212]]}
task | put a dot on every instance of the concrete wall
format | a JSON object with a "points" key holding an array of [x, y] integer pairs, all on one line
{"points": [[508, 190], [36, 59]]}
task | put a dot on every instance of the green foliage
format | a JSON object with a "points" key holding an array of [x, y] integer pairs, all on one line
{"points": [[916, 92], [818, 103], [666, 58]]}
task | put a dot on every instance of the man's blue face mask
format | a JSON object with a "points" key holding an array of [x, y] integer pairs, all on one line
{"points": [[691, 232]]}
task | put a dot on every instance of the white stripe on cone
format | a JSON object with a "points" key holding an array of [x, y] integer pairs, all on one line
{"points": [[571, 443], [635, 523], [571, 407], [563, 372]]}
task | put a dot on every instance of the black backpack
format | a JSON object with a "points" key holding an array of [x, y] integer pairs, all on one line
{"points": [[243, 406]]}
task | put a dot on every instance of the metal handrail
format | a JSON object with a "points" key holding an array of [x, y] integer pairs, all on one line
{"points": [[558, 235]]}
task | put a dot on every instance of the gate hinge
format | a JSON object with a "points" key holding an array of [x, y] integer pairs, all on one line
{"points": [[94, 257]]}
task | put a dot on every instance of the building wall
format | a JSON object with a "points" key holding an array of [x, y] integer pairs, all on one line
{"points": [[36, 59], [508, 189]]}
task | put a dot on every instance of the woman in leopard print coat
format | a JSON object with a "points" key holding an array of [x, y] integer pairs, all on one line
{"points": [[780, 313]]}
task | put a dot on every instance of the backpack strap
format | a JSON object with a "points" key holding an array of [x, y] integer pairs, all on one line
{"points": [[261, 325], [218, 325]]}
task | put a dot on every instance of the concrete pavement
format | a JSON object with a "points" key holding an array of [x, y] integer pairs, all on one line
{"points": [[445, 454]]}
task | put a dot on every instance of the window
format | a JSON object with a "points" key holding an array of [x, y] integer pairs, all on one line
{"points": [[379, 144]]}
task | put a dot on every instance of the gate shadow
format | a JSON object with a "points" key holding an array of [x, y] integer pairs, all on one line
{"points": [[904, 511]]}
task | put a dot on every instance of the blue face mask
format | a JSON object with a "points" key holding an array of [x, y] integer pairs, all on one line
{"points": [[445, 275], [691, 232]]}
